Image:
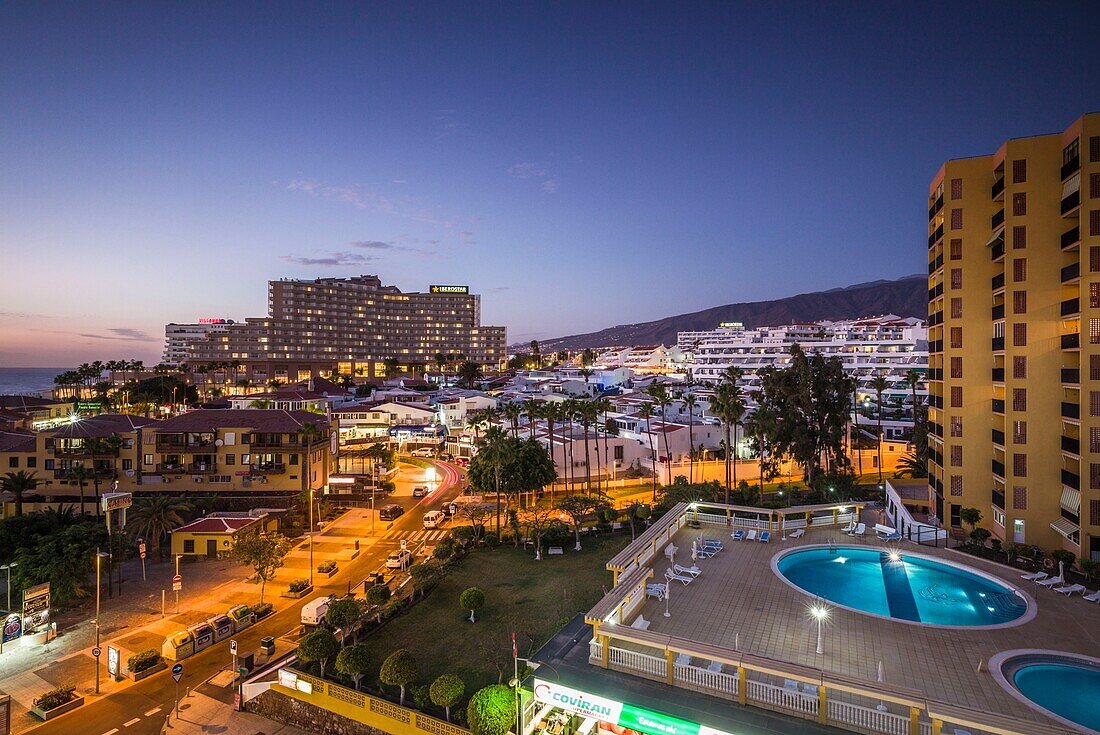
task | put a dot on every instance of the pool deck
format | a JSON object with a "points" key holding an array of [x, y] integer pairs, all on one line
{"points": [[739, 597]]}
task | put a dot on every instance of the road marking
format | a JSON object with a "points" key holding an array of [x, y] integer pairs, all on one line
{"points": [[111, 732], [152, 712], [132, 722]]}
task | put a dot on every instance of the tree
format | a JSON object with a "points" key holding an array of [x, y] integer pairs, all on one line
{"points": [[469, 373], [80, 475], [878, 385], [155, 517], [446, 691], [491, 711], [18, 483], [913, 378], [536, 354], [342, 614], [911, 465], [494, 452], [472, 599], [729, 406], [319, 646], [537, 519], [353, 661], [265, 553], [761, 429], [310, 434], [662, 400], [690, 402], [391, 366], [971, 517], [579, 507], [378, 594], [512, 411], [476, 514], [645, 412], [637, 512], [399, 670]]}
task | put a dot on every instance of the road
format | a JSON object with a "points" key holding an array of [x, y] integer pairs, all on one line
{"points": [[141, 709]]}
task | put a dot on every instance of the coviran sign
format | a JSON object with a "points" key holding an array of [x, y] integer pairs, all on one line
{"points": [[436, 288]]}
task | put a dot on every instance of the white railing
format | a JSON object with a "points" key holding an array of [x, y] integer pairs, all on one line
{"points": [[792, 523], [595, 652], [757, 523], [714, 519], [637, 661], [695, 676], [869, 718], [925, 728], [777, 696]]}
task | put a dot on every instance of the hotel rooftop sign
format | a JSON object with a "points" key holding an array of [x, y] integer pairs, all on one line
{"points": [[437, 288]]}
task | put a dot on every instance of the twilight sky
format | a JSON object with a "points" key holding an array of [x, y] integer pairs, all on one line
{"points": [[578, 164]]}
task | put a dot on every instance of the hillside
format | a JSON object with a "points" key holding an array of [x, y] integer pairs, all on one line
{"points": [[906, 296]]}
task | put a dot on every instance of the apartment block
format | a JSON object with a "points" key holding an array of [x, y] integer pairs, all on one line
{"points": [[1014, 339], [353, 325]]}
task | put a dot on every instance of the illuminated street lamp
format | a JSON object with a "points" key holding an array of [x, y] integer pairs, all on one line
{"points": [[99, 556], [8, 567], [820, 613]]}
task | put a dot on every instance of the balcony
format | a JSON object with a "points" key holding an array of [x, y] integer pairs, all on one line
{"points": [[998, 468], [998, 498], [1071, 341], [1071, 273], [936, 207], [998, 437], [934, 292], [1071, 445], [997, 220], [79, 453], [267, 468], [935, 346], [94, 473], [998, 375], [1070, 410], [935, 401], [935, 319], [1071, 307], [998, 312], [1070, 238], [1071, 479], [936, 264], [1071, 203], [1070, 167], [202, 468], [998, 189], [998, 344], [170, 468], [935, 236], [998, 281], [997, 252], [999, 406], [1071, 376]]}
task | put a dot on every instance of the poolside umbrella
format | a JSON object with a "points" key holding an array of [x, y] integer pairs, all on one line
{"points": [[881, 680], [1062, 571], [668, 592], [694, 554]]}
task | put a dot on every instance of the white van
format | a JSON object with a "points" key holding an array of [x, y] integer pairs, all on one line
{"points": [[313, 612], [434, 519]]}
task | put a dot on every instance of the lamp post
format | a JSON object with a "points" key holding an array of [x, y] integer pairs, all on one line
{"points": [[8, 567], [820, 613], [99, 556], [310, 536]]}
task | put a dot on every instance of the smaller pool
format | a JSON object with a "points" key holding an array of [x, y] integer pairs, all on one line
{"points": [[902, 586], [1063, 686]]}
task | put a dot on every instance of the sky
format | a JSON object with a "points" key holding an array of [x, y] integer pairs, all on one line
{"points": [[580, 165]]}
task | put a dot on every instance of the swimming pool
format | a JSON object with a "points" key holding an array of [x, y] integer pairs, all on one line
{"points": [[1063, 686], [908, 587]]}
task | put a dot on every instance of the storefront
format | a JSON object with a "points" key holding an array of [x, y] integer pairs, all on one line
{"points": [[562, 710]]}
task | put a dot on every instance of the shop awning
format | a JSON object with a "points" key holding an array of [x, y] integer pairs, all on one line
{"points": [[1072, 186]]}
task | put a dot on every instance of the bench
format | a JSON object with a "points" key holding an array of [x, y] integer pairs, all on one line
{"points": [[555, 550]]}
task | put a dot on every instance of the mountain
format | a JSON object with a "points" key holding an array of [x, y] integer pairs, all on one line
{"points": [[907, 296]]}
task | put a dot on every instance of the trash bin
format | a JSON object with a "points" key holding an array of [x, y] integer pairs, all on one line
{"points": [[247, 660], [267, 646]]}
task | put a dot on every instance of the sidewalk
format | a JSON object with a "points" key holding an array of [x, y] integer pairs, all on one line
{"points": [[201, 715]]}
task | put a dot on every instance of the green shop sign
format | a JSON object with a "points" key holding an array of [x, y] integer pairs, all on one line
{"points": [[617, 713]]}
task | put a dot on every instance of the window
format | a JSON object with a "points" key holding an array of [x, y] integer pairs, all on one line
{"points": [[1019, 432], [1094, 403], [956, 278], [1094, 367], [1094, 512], [956, 219], [956, 486], [1019, 367], [222, 479], [230, 459], [1019, 204], [1094, 295], [147, 459], [1019, 465], [956, 188], [127, 464], [49, 465], [1094, 223], [1019, 399], [1019, 237], [1070, 151], [956, 337], [32, 462], [1019, 498], [189, 546], [1019, 171], [956, 456], [1094, 149], [1019, 335], [1094, 186], [619, 452], [1094, 331], [294, 459], [956, 427], [956, 367], [1094, 477], [956, 308], [1019, 302], [1094, 439], [956, 396], [956, 249], [1019, 269], [13, 462]]}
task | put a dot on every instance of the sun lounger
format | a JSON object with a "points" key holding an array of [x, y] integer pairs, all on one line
{"points": [[751, 535], [738, 534], [798, 534], [715, 666], [671, 575], [895, 536], [706, 552], [640, 623], [683, 659], [1094, 597], [713, 542], [790, 685], [1034, 576], [860, 530], [1069, 589], [1050, 582], [849, 528], [692, 571], [766, 536], [810, 689], [655, 590]]}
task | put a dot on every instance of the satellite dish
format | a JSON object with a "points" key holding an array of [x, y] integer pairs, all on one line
{"points": [[218, 442]]}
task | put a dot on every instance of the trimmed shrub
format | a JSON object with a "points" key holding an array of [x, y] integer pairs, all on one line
{"points": [[327, 566], [262, 610], [143, 660], [492, 710], [399, 670], [298, 585], [56, 697], [446, 692], [379, 594], [444, 550]]}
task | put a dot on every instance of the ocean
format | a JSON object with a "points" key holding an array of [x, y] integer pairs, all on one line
{"points": [[27, 381]]}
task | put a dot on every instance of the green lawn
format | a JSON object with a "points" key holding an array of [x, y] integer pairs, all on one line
{"points": [[533, 598]]}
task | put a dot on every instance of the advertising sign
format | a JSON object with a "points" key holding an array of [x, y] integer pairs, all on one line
{"points": [[89, 406], [13, 627], [36, 608], [116, 501], [438, 288], [616, 713], [113, 661]]}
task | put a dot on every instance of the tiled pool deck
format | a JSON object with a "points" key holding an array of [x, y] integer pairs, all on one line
{"points": [[738, 598]]}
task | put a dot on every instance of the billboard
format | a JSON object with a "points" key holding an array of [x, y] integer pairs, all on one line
{"points": [[36, 608], [13, 627], [116, 501], [438, 288]]}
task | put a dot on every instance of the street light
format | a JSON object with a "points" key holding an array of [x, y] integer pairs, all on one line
{"points": [[310, 536], [99, 556], [820, 613], [8, 567]]}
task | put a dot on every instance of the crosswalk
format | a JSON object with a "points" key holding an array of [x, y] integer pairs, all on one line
{"points": [[416, 537]]}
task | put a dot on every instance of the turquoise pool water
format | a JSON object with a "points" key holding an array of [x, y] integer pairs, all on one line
{"points": [[908, 587], [1064, 686]]}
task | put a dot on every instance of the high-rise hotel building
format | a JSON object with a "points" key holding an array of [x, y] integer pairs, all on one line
{"points": [[1014, 339], [353, 325]]}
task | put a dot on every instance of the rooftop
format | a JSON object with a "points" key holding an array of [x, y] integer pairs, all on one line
{"points": [[103, 425], [219, 523], [263, 420]]}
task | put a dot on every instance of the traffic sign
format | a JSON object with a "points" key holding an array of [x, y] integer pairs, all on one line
{"points": [[141, 548], [233, 647], [177, 583], [142, 555], [96, 652], [177, 672]]}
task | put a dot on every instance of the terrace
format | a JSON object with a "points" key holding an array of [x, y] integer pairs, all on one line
{"points": [[740, 622]]}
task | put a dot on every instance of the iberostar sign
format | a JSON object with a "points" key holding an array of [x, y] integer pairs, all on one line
{"points": [[617, 713]]}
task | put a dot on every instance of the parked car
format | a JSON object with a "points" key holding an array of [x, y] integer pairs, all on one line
{"points": [[390, 512], [424, 452], [462, 462], [400, 559], [434, 519], [451, 509], [420, 491]]}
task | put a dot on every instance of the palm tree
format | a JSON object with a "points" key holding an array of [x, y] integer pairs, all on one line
{"points": [[878, 385], [497, 452], [18, 483], [645, 411], [911, 465], [913, 378], [512, 412], [602, 406], [587, 413], [310, 435], [550, 412], [80, 475], [469, 373], [729, 406], [154, 518], [661, 398], [690, 401]]}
